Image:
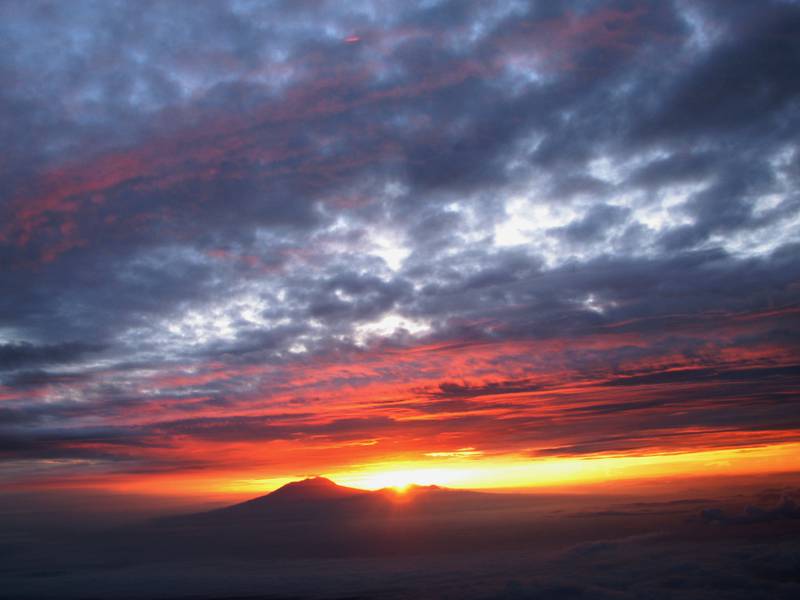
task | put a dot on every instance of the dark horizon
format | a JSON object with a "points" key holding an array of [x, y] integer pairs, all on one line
{"points": [[734, 540]]}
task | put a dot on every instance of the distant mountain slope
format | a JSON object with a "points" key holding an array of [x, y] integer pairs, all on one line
{"points": [[319, 498], [314, 489], [318, 518]]}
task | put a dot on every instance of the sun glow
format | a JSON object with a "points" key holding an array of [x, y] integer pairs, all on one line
{"points": [[520, 472], [477, 472], [401, 479]]}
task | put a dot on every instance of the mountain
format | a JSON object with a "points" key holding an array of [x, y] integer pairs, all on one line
{"points": [[320, 499], [318, 518], [314, 489]]}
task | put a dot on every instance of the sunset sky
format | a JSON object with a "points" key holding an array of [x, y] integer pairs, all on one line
{"points": [[479, 244]]}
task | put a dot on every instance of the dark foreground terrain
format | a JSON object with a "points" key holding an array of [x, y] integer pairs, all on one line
{"points": [[314, 539]]}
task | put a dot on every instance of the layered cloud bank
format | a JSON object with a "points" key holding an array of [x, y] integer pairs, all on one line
{"points": [[298, 237]]}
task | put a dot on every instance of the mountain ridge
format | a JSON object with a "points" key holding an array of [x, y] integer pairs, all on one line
{"points": [[319, 499]]}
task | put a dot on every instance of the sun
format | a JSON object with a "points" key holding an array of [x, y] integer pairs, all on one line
{"points": [[399, 482], [402, 479]]}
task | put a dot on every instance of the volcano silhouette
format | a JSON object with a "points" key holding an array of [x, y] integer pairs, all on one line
{"points": [[319, 518], [312, 489], [319, 498], [315, 492]]}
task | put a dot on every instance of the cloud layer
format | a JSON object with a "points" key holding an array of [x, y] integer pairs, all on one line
{"points": [[310, 235]]}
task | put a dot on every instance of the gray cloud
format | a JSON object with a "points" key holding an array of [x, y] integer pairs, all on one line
{"points": [[219, 186]]}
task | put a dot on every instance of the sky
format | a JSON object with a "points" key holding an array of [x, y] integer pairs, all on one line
{"points": [[482, 244]]}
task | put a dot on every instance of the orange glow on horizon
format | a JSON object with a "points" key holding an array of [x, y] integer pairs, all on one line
{"points": [[484, 473], [467, 469], [400, 479], [521, 472]]}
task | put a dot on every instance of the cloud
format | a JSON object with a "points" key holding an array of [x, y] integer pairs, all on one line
{"points": [[786, 508], [25, 354], [542, 216]]}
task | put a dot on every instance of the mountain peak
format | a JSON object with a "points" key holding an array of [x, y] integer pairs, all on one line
{"points": [[314, 488], [315, 481]]}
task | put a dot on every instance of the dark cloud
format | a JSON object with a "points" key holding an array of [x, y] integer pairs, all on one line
{"points": [[594, 224], [787, 508], [24, 354], [37, 378], [789, 373], [743, 81], [455, 390], [223, 210]]}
